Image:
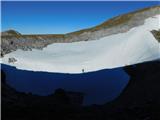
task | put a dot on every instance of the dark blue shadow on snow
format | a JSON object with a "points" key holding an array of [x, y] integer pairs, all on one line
{"points": [[99, 87]]}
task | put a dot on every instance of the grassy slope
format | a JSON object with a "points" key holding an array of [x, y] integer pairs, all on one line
{"points": [[113, 21], [118, 20]]}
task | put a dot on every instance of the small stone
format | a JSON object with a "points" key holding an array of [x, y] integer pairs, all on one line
{"points": [[11, 60]]}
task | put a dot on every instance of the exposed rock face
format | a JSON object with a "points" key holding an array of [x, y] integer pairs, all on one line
{"points": [[12, 40], [12, 60], [144, 84], [27, 42], [140, 99], [156, 34]]}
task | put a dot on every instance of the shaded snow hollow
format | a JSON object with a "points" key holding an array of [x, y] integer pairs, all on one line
{"points": [[135, 46]]}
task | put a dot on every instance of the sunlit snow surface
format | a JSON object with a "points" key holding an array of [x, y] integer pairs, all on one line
{"points": [[135, 46]]}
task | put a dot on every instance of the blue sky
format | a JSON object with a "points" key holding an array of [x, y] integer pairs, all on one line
{"points": [[62, 17]]}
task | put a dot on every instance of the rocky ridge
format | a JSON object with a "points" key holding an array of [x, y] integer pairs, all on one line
{"points": [[12, 40]]}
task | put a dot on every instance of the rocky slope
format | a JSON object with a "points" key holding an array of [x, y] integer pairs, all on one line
{"points": [[12, 40], [156, 34]]}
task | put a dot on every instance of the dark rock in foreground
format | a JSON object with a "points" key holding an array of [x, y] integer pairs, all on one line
{"points": [[140, 100]]}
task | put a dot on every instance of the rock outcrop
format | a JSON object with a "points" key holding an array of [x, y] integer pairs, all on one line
{"points": [[156, 34], [140, 99], [12, 60]]}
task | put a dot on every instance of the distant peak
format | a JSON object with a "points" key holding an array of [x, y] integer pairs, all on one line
{"points": [[10, 32]]}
